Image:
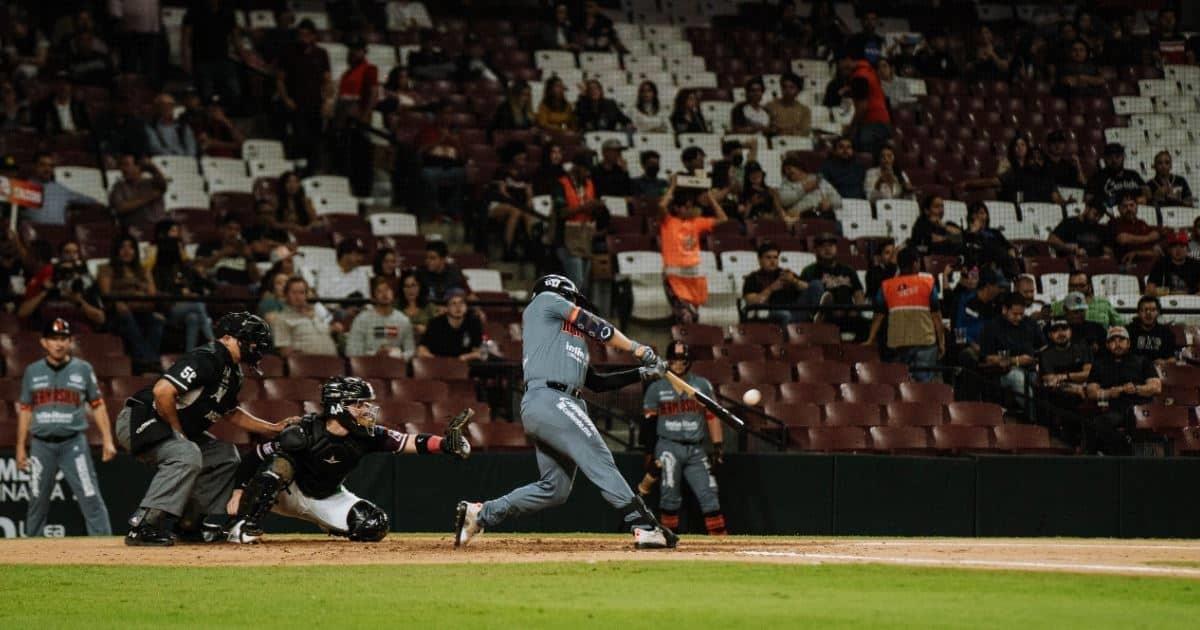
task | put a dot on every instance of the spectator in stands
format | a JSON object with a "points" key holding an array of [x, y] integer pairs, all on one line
{"points": [[550, 171], [757, 199], [896, 90], [357, 92], [611, 177], [140, 40], [1063, 368], [829, 31], [886, 180], [985, 245], [1166, 188], [381, 329], [788, 116], [914, 334], [1010, 343], [229, 259], [1082, 235], [414, 301], [931, 234], [844, 172], [439, 275], [988, 64], [883, 266], [136, 321], [681, 230], [303, 327], [399, 92], [387, 266], [596, 31], [687, 117], [516, 111], [209, 31], [934, 59], [1119, 380], [737, 154], [175, 276], [14, 110], [871, 126], [55, 197], [1079, 75], [443, 165], [1032, 61], [289, 210], [555, 112], [273, 294], [61, 112], [60, 289], [806, 195], [649, 184], [349, 278], [1132, 237], [166, 134], [560, 33], [902, 57], [1026, 287], [403, 15], [750, 116], [835, 283], [778, 287], [594, 112], [303, 83], [28, 45], [649, 116], [474, 63], [838, 87], [694, 160], [429, 62], [1109, 183], [1150, 339], [215, 133], [1099, 310], [1174, 273], [510, 198], [457, 333], [867, 43], [578, 214], [1023, 176], [973, 311], [1066, 170], [135, 199], [1166, 42], [86, 59]]}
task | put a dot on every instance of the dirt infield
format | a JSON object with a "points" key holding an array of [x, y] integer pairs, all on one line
{"points": [[1136, 557]]}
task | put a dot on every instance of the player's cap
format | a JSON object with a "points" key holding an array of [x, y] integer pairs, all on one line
{"points": [[1058, 323], [1118, 331], [1075, 301], [57, 327]]}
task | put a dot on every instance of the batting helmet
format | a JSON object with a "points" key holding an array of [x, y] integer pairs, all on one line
{"points": [[564, 286], [341, 391], [251, 332]]}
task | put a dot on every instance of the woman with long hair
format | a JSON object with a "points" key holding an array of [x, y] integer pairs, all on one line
{"points": [[886, 180], [516, 111], [545, 179], [414, 302], [290, 210], [758, 200], [387, 265], [136, 321], [930, 232], [749, 116], [175, 276], [594, 112], [687, 117], [649, 116], [555, 112]]}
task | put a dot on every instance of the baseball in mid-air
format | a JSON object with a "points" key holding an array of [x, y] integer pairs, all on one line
{"points": [[751, 397]]}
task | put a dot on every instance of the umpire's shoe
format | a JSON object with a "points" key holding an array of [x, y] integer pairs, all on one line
{"points": [[150, 527], [657, 538], [466, 522]]}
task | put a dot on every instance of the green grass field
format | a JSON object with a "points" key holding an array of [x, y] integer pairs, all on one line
{"points": [[615, 595]]}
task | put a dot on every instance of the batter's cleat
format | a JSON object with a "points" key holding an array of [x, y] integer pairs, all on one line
{"points": [[244, 533], [657, 538], [466, 522], [147, 536]]}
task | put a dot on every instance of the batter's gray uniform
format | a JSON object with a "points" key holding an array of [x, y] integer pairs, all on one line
{"points": [[57, 398], [557, 421], [682, 427]]}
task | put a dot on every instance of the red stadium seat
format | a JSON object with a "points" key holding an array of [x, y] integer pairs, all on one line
{"points": [[796, 352], [814, 393], [271, 366], [854, 353], [717, 371], [1187, 443], [440, 368], [900, 440], [795, 414], [113, 366], [927, 392], [739, 352], [764, 372], [443, 410], [838, 439], [378, 367], [436, 428], [849, 414], [757, 333], [831, 372], [979, 414], [1184, 395], [291, 389], [10, 388], [735, 390], [1161, 418], [961, 439], [889, 373], [873, 393], [498, 436], [394, 413], [252, 389], [1186, 375], [273, 410], [122, 387], [423, 390], [915, 414], [315, 366], [1025, 439]]}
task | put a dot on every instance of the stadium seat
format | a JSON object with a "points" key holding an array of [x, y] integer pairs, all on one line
{"points": [[273, 409], [735, 390], [855, 414], [905, 440], [757, 333], [1025, 439], [395, 413], [314, 366], [497, 436], [739, 352], [814, 333], [869, 393], [837, 439], [794, 414], [915, 414], [252, 388], [815, 393], [122, 387], [443, 410], [1183, 395], [392, 223], [796, 352], [927, 392], [717, 371], [378, 367], [419, 389], [961, 439], [764, 372], [440, 368], [1161, 418], [886, 373], [291, 388], [980, 414], [830, 372]]}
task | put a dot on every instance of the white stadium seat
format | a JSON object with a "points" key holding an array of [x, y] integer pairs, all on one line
{"points": [[393, 224], [82, 179], [484, 279], [644, 270]]}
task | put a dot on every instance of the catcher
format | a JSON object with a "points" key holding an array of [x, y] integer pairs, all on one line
{"points": [[300, 472]]}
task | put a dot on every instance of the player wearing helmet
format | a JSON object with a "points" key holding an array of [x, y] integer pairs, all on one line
{"points": [[166, 426], [300, 473], [555, 417]]}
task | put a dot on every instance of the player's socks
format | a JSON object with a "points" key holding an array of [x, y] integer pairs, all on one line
{"points": [[669, 519], [714, 522]]}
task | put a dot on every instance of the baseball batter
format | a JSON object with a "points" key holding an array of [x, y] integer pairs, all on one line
{"points": [[300, 473], [555, 362], [56, 392], [682, 425], [166, 425]]}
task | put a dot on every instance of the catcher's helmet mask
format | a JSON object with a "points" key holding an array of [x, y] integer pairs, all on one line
{"points": [[348, 399]]}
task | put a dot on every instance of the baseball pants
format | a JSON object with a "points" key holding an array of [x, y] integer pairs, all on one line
{"points": [[74, 459], [330, 513], [682, 461], [193, 478], [565, 440]]}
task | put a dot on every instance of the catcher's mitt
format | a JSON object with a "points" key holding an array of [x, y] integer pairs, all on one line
{"points": [[454, 442]]}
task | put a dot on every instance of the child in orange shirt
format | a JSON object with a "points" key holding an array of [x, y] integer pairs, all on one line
{"points": [[681, 229]]}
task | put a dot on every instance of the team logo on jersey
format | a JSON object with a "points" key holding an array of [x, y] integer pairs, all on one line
{"points": [[76, 379], [331, 460]]}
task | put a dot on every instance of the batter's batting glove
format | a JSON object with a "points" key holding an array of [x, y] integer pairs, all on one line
{"points": [[649, 358], [716, 456], [454, 442], [653, 372]]}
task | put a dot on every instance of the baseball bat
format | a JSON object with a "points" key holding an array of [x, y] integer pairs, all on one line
{"points": [[717, 410]]}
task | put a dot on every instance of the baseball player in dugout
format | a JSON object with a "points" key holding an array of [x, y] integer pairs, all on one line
{"points": [[555, 362], [681, 424], [166, 426], [56, 392], [300, 473]]}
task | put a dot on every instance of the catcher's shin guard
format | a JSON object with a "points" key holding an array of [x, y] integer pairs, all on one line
{"points": [[261, 491], [714, 522]]}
